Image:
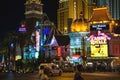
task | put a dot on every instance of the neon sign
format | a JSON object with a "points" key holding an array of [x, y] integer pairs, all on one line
{"points": [[22, 28], [99, 47], [37, 40], [100, 38]]}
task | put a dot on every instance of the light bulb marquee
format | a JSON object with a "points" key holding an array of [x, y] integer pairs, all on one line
{"points": [[100, 38]]}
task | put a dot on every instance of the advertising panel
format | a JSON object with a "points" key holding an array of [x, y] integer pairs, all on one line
{"points": [[99, 46], [99, 50], [99, 27]]}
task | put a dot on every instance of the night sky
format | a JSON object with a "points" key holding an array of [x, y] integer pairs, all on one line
{"points": [[12, 13]]}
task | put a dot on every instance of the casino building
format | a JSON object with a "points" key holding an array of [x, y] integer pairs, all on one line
{"points": [[104, 45], [94, 43]]}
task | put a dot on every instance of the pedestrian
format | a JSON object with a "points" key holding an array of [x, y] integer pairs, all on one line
{"points": [[78, 76], [44, 76]]}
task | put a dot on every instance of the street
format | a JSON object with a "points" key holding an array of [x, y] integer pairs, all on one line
{"points": [[90, 76], [65, 76]]}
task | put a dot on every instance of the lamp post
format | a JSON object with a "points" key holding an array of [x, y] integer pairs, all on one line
{"points": [[49, 54]]}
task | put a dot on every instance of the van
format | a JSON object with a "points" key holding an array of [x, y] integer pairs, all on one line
{"points": [[51, 68]]}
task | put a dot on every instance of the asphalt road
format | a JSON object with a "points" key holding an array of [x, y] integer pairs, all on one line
{"points": [[65, 76], [90, 76]]}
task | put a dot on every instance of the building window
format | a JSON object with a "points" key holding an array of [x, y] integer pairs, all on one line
{"points": [[116, 49]]}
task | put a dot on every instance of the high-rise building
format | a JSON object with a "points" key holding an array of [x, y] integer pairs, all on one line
{"points": [[68, 11], [33, 11], [114, 6]]}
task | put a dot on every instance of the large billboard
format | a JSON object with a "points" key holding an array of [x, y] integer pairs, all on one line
{"points": [[99, 50]]}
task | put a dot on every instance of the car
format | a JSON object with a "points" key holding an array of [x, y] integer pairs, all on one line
{"points": [[68, 68], [51, 68], [118, 68]]}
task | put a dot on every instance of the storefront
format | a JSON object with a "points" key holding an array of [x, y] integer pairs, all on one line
{"points": [[101, 40], [78, 43]]}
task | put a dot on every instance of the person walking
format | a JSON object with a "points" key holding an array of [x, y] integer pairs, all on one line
{"points": [[78, 76], [44, 75]]}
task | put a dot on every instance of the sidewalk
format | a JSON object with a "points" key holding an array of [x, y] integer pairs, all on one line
{"points": [[102, 73]]}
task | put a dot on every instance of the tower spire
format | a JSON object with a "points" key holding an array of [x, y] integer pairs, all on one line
{"points": [[31, 1], [33, 11], [33, 7]]}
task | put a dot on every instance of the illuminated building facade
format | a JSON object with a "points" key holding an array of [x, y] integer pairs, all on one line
{"points": [[60, 46], [99, 33], [38, 27], [39, 30], [100, 14], [78, 39], [68, 11], [42, 34], [104, 49], [113, 5], [33, 13], [102, 17], [78, 42]]}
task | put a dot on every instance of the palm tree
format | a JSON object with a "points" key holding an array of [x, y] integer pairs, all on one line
{"points": [[14, 38], [3, 48], [6, 49], [24, 40]]}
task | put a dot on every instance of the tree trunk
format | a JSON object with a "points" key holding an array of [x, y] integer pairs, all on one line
{"points": [[22, 53]]}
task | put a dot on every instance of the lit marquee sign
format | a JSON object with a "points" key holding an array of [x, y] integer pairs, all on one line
{"points": [[99, 27], [100, 38]]}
